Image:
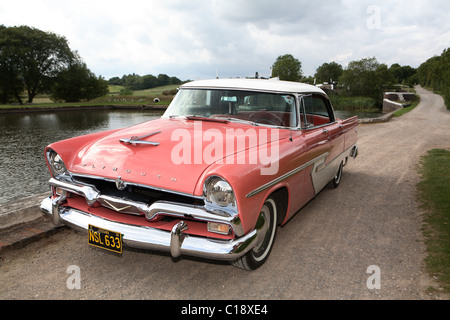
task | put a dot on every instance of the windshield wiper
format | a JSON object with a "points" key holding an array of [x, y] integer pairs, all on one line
{"points": [[201, 118], [253, 123]]}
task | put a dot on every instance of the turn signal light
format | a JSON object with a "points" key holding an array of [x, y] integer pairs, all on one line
{"points": [[60, 192], [216, 227]]}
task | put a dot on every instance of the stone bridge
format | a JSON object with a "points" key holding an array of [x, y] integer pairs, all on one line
{"points": [[397, 100]]}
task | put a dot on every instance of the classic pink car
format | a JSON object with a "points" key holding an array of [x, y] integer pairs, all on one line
{"points": [[228, 162]]}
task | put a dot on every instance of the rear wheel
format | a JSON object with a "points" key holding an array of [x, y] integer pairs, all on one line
{"points": [[267, 228], [337, 178]]}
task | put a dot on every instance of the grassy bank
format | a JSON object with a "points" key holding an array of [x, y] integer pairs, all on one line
{"points": [[137, 98], [404, 110], [434, 192], [125, 102]]}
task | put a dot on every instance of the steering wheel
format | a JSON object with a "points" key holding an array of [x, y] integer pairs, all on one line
{"points": [[266, 118]]}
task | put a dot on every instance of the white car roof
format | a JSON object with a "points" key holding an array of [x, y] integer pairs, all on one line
{"points": [[273, 85]]}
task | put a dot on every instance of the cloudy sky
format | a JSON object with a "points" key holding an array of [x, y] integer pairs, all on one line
{"points": [[197, 39]]}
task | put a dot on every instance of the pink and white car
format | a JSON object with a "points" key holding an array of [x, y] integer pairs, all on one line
{"points": [[228, 162]]}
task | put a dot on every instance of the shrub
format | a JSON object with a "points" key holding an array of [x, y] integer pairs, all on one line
{"points": [[126, 92], [352, 103]]}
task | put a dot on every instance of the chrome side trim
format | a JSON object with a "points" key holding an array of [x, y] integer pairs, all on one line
{"points": [[322, 174], [174, 241], [287, 175]]}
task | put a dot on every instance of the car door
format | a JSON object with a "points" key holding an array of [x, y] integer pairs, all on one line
{"points": [[334, 131], [319, 130]]}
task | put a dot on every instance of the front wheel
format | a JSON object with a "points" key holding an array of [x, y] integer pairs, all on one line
{"points": [[267, 229]]}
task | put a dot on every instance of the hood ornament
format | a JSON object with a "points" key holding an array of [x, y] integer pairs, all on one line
{"points": [[134, 140], [120, 184]]}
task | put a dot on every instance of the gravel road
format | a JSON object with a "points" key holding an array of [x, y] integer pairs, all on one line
{"points": [[324, 252]]}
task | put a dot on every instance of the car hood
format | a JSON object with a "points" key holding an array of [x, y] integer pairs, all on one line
{"points": [[185, 149]]}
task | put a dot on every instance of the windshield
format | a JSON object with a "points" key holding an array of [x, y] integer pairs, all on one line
{"points": [[255, 107]]}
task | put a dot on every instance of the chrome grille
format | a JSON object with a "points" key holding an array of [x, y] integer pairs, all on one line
{"points": [[133, 199]]}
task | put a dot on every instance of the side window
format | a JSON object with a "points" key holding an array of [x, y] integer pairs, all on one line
{"points": [[316, 111]]}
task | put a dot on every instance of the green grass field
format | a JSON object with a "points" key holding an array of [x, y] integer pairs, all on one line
{"points": [[434, 192], [158, 91]]}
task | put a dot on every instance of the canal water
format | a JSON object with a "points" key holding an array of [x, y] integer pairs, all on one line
{"points": [[24, 136]]}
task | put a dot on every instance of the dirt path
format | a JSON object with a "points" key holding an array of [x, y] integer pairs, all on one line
{"points": [[324, 252]]}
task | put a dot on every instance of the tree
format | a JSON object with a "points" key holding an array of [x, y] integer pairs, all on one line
{"points": [[77, 83], [115, 81], [11, 82], [308, 80], [136, 82], [287, 68], [328, 72], [174, 80], [435, 73], [367, 78], [132, 82], [149, 81], [163, 79], [32, 57], [402, 74]]}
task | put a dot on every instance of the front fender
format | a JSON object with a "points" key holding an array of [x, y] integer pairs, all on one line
{"points": [[68, 149], [244, 178]]}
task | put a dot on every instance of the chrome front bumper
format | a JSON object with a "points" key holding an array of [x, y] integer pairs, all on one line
{"points": [[175, 241]]}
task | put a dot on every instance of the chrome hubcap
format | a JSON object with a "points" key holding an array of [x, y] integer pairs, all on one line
{"points": [[263, 225]]}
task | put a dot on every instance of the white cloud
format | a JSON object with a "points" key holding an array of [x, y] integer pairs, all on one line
{"points": [[193, 39]]}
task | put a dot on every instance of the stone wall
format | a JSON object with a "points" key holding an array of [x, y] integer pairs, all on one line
{"points": [[400, 96], [396, 100], [389, 105]]}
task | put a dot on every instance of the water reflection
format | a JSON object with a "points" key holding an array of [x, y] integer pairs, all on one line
{"points": [[23, 171]]}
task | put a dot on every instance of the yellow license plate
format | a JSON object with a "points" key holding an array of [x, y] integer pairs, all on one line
{"points": [[105, 239]]}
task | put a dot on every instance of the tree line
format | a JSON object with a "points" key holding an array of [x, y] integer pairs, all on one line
{"points": [[362, 78], [435, 73], [137, 82], [35, 62], [369, 78]]}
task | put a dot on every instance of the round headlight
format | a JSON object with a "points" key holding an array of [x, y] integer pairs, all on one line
{"points": [[219, 192], [56, 163]]}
